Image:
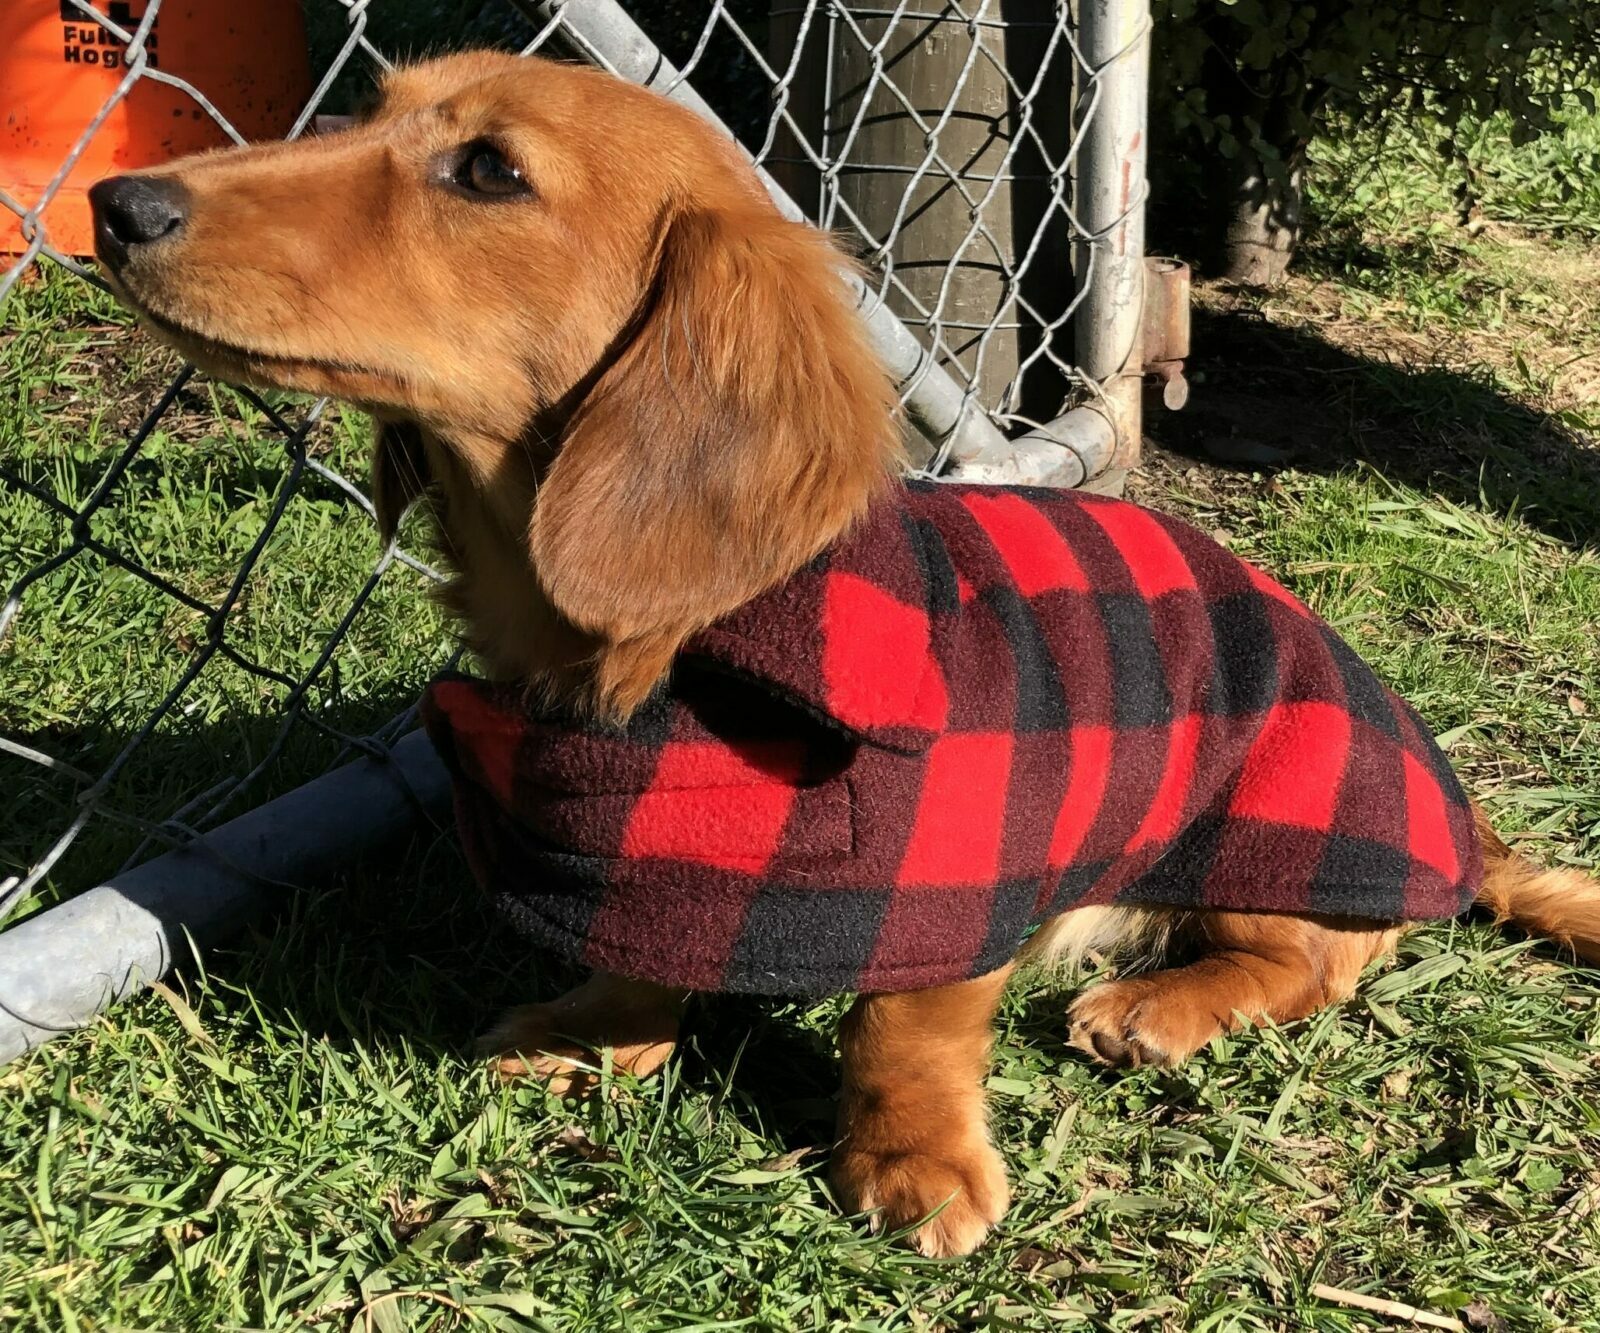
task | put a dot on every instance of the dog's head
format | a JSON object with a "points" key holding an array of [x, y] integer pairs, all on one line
{"points": [[569, 303]]}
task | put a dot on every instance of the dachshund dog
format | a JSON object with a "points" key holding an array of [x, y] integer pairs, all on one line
{"points": [[635, 398]]}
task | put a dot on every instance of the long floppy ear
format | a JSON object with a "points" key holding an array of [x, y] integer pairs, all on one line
{"points": [[742, 429], [399, 473]]}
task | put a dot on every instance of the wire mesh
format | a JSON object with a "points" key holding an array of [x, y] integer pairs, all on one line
{"points": [[938, 140]]}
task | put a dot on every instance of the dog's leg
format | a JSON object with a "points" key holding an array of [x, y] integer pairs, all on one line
{"points": [[637, 1020], [1254, 966], [913, 1137]]}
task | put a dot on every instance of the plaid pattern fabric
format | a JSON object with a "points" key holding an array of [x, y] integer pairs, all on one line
{"points": [[983, 707]]}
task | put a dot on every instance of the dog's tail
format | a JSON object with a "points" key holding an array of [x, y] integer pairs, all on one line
{"points": [[1561, 905]]}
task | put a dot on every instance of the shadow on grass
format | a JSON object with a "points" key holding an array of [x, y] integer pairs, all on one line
{"points": [[398, 951], [1343, 246], [1271, 396], [374, 946], [180, 772], [409, 952]]}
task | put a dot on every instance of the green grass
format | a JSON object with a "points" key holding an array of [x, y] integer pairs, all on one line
{"points": [[294, 1136], [94, 649], [299, 1140]]}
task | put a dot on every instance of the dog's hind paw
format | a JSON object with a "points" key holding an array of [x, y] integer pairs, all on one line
{"points": [[1119, 1023]]}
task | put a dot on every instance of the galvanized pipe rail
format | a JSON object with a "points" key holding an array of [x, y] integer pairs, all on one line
{"points": [[61, 968]]}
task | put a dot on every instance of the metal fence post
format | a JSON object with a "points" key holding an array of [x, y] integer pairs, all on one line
{"points": [[1097, 441], [1109, 193]]}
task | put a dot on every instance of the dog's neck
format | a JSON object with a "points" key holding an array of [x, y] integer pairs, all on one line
{"points": [[493, 593], [505, 615]]}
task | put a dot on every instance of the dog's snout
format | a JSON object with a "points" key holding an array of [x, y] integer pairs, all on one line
{"points": [[135, 210]]}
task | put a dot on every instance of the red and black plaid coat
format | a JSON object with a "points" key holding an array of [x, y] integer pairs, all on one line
{"points": [[983, 707]]}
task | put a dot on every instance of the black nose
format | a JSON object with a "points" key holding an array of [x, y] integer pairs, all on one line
{"points": [[135, 210]]}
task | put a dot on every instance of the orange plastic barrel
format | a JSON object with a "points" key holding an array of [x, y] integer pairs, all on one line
{"points": [[58, 66]]}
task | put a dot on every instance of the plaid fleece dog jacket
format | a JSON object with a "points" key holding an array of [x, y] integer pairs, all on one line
{"points": [[982, 707]]}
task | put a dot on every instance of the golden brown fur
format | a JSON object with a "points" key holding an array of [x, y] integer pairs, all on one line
{"points": [[1561, 905], [643, 342], [637, 397]]}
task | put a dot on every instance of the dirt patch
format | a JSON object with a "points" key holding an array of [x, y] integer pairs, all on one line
{"points": [[1320, 375]]}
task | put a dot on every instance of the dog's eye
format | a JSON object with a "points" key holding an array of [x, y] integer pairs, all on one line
{"points": [[484, 170]]}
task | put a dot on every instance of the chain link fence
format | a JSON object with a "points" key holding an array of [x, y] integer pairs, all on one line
{"points": [[198, 614]]}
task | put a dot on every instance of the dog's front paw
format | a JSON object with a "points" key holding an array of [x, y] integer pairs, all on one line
{"points": [[635, 1021], [951, 1196], [529, 1042]]}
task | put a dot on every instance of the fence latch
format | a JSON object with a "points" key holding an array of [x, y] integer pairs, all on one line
{"points": [[1166, 332]]}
